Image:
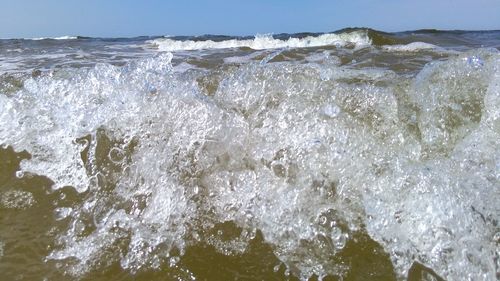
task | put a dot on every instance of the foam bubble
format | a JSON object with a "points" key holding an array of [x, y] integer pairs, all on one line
{"points": [[62, 212], [17, 199]]}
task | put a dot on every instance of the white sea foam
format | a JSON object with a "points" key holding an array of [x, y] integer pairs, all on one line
{"points": [[411, 47], [261, 42], [53, 38], [17, 199], [297, 151]]}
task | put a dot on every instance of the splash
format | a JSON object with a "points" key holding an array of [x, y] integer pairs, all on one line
{"points": [[306, 154]]}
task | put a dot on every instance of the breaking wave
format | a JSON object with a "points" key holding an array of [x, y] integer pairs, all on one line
{"points": [[309, 155], [387, 142], [261, 42], [53, 38]]}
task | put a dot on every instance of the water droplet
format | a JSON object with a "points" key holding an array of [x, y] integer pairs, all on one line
{"points": [[336, 233], [341, 242], [287, 272], [173, 261], [323, 220], [496, 237], [196, 189], [62, 212], [331, 110], [475, 61], [19, 174], [277, 267], [252, 233], [116, 155]]}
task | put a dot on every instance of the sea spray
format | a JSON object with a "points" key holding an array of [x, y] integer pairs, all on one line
{"points": [[312, 153]]}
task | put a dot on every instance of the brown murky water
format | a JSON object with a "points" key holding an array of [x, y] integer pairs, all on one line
{"points": [[29, 228]]}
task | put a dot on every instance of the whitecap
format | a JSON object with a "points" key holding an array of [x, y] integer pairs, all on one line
{"points": [[261, 42]]}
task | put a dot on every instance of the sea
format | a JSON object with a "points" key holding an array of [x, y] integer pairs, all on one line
{"points": [[350, 155]]}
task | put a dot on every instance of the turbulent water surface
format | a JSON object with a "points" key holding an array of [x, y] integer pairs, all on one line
{"points": [[353, 155]]}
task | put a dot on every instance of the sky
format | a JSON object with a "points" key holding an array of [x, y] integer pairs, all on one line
{"points": [[129, 18]]}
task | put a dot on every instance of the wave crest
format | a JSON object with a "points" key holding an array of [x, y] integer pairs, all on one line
{"points": [[261, 42]]}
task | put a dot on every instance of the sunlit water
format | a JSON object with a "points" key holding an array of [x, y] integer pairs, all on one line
{"points": [[356, 155]]}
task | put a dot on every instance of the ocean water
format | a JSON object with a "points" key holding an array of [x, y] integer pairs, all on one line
{"points": [[352, 155]]}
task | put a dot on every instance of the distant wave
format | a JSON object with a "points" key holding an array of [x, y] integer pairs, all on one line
{"points": [[348, 37], [53, 38], [407, 41], [260, 42]]}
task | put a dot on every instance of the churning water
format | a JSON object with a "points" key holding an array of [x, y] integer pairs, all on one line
{"points": [[358, 154]]}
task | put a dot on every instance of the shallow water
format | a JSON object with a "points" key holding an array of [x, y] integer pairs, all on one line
{"points": [[355, 155]]}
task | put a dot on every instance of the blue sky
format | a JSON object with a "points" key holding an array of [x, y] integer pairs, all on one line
{"points": [[127, 18]]}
